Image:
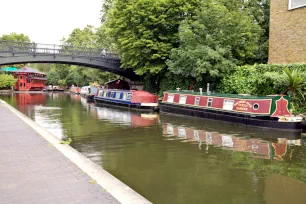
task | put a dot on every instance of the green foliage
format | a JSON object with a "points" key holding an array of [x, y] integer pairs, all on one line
{"points": [[145, 31], [266, 79], [15, 37], [215, 42], [67, 141], [6, 81]]}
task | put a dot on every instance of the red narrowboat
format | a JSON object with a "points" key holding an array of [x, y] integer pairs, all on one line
{"points": [[75, 90], [261, 111]]}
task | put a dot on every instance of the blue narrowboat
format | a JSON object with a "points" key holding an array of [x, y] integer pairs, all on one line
{"points": [[129, 98]]}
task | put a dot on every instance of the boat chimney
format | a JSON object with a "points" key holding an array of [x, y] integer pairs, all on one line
{"points": [[201, 91], [208, 92]]}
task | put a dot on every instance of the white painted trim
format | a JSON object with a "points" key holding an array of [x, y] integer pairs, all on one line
{"points": [[149, 104], [123, 193], [292, 8]]}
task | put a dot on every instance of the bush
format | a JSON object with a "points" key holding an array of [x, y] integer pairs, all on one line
{"points": [[6, 81], [262, 79], [269, 79]]}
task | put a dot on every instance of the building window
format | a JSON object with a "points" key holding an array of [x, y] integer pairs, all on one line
{"points": [[20, 77], [170, 98], [24, 84], [293, 4], [20, 84], [197, 101], [183, 99], [228, 104], [209, 102]]}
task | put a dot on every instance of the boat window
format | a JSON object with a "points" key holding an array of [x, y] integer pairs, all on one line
{"points": [[256, 106], [118, 95], [112, 95], [170, 98], [197, 101], [124, 96], [129, 96], [109, 94], [104, 93], [183, 99], [228, 104], [209, 102]]}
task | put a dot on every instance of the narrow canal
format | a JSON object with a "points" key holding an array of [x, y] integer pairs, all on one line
{"points": [[170, 159]]}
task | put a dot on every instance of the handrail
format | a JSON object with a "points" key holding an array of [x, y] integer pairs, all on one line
{"points": [[16, 47]]}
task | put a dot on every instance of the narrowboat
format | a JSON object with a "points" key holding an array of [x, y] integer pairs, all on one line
{"points": [[75, 90], [129, 98], [89, 92], [262, 111]]}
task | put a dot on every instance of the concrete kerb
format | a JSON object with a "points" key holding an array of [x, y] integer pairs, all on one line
{"points": [[123, 193]]}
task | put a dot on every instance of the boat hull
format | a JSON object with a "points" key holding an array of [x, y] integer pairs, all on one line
{"points": [[228, 117], [100, 101]]}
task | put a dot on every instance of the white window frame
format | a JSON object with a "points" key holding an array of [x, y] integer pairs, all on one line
{"points": [[172, 97], [183, 99], [209, 100], [226, 106], [118, 95], [197, 101], [291, 8]]}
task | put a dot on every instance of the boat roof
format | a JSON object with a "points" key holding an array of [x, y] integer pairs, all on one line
{"points": [[28, 70], [242, 96]]}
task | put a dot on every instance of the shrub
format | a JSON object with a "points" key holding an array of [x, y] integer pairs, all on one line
{"points": [[6, 81]]}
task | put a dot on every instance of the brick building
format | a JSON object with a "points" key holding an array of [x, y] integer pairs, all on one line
{"points": [[287, 31]]}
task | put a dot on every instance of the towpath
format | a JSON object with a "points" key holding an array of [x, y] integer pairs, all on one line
{"points": [[34, 171]]}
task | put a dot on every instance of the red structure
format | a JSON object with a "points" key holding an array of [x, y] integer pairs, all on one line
{"points": [[29, 79]]}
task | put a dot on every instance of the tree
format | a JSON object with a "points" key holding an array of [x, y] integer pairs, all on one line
{"points": [[15, 37], [106, 6], [6, 81], [219, 39], [145, 31]]}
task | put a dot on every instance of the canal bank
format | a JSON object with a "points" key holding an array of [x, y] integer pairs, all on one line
{"points": [[36, 168]]}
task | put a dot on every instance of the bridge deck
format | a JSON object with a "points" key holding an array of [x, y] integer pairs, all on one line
{"points": [[33, 171]]}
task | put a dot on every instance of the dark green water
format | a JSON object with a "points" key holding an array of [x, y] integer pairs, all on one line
{"points": [[170, 159]]}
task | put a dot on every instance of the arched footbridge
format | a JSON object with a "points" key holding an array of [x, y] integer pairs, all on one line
{"points": [[12, 52]]}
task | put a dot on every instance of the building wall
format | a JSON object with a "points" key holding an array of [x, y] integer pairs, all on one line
{"points": [[287, 33]]}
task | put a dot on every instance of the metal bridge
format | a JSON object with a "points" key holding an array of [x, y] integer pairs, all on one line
{"points": [[12, 52]]}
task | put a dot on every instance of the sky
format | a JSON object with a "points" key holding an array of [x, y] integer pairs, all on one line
{"points": [[48, 21]]}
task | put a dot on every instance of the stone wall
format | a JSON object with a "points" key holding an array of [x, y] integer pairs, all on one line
{"points": [[287, 34]]}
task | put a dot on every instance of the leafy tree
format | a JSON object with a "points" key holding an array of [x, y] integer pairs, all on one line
{"points": [[145, 31], [15, 37], [215, 42], [106, 6], [53, 78], [6, 81]]}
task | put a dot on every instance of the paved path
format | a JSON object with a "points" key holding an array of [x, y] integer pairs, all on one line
{"points": [[33, 171]]}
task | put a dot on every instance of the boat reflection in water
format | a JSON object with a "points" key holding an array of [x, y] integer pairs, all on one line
{"points": [[126, 117], [260, 147]]}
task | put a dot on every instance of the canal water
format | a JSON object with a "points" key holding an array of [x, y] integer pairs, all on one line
{"points": [[171, 159]]}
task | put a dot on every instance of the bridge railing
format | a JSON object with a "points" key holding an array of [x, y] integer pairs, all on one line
{"points": [[56, 50]]}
